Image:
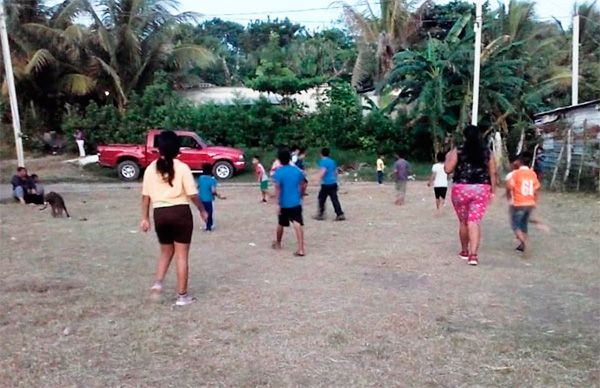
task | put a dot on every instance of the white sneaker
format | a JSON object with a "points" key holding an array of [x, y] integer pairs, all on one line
{"points": [[184, 300]]}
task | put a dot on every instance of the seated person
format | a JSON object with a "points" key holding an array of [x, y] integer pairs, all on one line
{"points": [[35, 185], [20, 184], [35, 191]]}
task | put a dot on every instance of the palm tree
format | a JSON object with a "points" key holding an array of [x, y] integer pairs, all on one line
{"points": [[131, 40], [589, 14], [433, 81], [380, 36], [47, 66]]}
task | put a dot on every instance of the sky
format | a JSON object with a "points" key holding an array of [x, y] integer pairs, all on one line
{"points": [[318, 14]]}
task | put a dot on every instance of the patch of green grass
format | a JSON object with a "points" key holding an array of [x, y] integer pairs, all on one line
{"points": [[359, 162]]}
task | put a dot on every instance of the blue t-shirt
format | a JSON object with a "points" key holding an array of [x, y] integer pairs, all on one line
{"points": [[206, 183], [330, 176], [289, 178]]}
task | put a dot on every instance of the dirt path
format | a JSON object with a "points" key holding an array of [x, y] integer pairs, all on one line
{"points": [[380, 300]]}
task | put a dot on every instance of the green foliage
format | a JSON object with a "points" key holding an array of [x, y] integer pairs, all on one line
{"points": [[338, 123]]}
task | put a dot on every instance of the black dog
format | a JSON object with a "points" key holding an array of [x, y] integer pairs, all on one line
{"points": [[57, 203]]}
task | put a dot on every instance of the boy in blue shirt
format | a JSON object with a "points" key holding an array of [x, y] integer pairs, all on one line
{"points": [[329, 187], [288, 191], [207, 191]]}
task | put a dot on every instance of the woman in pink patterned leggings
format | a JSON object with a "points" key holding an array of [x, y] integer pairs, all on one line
{"points": [[474, 179]]}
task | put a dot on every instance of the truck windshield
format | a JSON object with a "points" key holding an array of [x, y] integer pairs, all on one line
{"points": [[201, 141]]}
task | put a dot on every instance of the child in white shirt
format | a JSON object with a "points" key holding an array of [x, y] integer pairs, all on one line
{"points": [[439, 180]]}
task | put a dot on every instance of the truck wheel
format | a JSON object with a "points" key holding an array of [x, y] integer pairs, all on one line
{"points": [[128, 170], [223, 170]]}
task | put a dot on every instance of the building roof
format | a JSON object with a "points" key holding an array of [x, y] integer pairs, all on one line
{"points": [[228, 95], [567, 108]]}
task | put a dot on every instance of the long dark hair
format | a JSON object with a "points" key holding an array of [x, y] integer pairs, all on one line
{"points": [[168, 147], [473, 147]]}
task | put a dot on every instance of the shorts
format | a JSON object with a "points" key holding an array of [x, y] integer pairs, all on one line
{"points": [[401, 188], [264, 185], [470, 201], [440, 192], [293, 214], [174, 224], [519, 217]]}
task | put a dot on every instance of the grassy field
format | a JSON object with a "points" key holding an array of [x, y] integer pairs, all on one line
{"points": [[380, 300], [56, 169]]}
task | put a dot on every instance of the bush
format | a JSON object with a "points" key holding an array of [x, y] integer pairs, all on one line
{"points": [[338, 123]]}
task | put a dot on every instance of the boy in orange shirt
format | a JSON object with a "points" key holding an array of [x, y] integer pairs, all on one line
{"points": [[523, 186]]}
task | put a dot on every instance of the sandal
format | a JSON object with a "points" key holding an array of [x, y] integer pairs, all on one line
{"points": [[298, 254], [275, 245]]}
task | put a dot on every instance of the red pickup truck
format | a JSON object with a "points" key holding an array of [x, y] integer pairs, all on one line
{"points": [[130, 160]]}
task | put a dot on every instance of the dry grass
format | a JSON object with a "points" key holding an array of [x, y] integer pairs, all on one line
{"points": [[54, 168], [380, 300]]}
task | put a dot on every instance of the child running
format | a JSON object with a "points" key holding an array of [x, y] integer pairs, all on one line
{"points": [[207, 191], [380, 168], [288, 188], [523, 186], [300, 165], [261, 177], [439, 180]]}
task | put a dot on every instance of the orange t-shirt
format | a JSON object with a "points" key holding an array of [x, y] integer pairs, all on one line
{"points": [[524, 183]]}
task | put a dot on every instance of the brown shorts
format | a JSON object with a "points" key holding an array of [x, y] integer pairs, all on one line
{"points": [[174, 224]]}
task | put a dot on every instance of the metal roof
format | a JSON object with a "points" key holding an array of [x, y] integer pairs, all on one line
{"points": [[567, 108]]}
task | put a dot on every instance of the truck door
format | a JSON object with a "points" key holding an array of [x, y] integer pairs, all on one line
{"points": [[152, 148], [191, 152]]}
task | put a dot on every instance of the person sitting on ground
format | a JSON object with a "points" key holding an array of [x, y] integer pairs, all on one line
{"points": [[35, 185], [35, 190], [20, 185]]}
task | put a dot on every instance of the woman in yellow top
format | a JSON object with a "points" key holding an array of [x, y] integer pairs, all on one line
{"points": [[170, 186]]}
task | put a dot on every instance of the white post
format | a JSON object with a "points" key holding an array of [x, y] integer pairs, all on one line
{"points": [[477, 65], [12, 93], [575, 75]]}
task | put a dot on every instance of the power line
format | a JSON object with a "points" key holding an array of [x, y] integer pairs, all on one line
{"points": [[304, 10]]}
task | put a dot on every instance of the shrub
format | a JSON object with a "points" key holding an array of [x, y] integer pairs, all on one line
{"points": [[338, 123]]}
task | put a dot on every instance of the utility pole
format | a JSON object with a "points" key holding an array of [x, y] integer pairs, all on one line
{"points": [[575, 74], [12, 92], [477, 65]]}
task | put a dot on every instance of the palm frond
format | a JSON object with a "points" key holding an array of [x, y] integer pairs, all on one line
{"points": [[38, 61], [75, 32], [114, 76], [66, 12], [457, 28], [191, 55], [360, 24], [77, 84], [492, 47], [361, 69]]}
